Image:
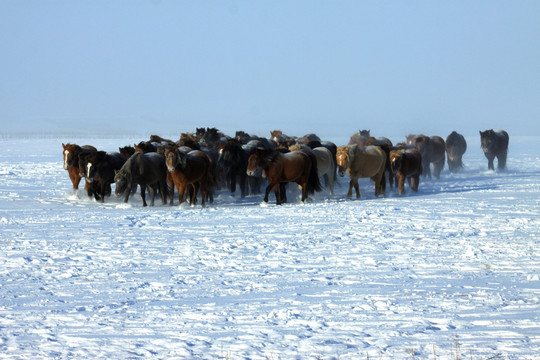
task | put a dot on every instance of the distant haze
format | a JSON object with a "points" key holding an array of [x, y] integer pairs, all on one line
{"points": [[332, 68]]}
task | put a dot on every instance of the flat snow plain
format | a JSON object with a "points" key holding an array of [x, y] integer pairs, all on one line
{"points": [[451, 272]]}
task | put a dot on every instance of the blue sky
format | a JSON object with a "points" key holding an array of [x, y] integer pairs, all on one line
{"points": [[329, 67]]}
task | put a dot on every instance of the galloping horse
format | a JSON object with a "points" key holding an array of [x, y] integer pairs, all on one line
{"points": [[147, 170], [192, 168], [495, 144], [71, 162], [283, 168], [99, 168], [455, 148], [360, 163]]}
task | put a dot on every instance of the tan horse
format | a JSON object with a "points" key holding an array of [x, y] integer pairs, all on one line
{"points": [[361, 163]]}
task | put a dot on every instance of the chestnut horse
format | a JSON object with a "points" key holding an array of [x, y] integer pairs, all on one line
{"points": [[71, 162], [495, 144], [359, 162], [282, 168], [455, 148], [406, 164], [192, 168]]}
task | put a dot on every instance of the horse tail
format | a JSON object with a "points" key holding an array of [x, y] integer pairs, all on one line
{"points": [[314, 183]]}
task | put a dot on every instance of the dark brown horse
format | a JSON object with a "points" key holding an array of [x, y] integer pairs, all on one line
{"points": [[433, 151], [71, 154], [187, 169], [455, 148], [282, 168], [146, 170], [495, 144], [126, 151], [406, 164], [99, 168], [233, 161]]}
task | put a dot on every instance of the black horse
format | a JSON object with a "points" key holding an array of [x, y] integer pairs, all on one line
{"points": [[147, 170], [99, 168], [495, 144], [455, 148], [233, 160]]}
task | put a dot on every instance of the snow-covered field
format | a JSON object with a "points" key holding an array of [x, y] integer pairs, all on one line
{"points": [[451, 272]]}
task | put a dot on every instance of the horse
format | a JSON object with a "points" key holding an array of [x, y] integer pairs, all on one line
{"points": [[455, 148], [281, 140], [71, 154], [281, 168], [359, 162], [146, 147], [406, 164], [100, 169], [495, 144], [433, 151], [363, 138], [147, 170], [126, 151], [192, 168], [325, 163], [233, 160], [190, 140]]}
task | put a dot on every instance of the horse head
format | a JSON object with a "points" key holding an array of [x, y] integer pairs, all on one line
{"points": [[396, 158], [122, 180], [488, 140], [342, 159]]}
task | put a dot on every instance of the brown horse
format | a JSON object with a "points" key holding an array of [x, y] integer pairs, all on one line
{"points": [[495, 144], [71, 154], [282, 168], [433, 151], [361, 163], [326, 163], [455, 148], [186, 169], [406, 164]]}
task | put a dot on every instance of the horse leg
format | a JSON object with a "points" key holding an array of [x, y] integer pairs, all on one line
{"points": [[283, 192], [104, 190], [181, 188], [203, 184], [357, 189], [195, 186], [278, 193], [401, 183], [232, 180], [501, 161], [74, 177], [351, 185], [170, 182], [490, 162], [415, 182], [267, 192], [143, 194]]}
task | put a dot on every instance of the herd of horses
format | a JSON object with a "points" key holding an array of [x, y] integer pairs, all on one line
{"points": [[208, 160]]}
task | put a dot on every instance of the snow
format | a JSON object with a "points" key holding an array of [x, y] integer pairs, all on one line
{"points": [[452, 269]]}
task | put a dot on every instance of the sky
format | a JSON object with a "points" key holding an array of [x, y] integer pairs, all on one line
{"points": [[325, 67]]}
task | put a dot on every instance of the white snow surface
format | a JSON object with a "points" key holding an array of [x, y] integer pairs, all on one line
{"points": [[450, 272]]}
